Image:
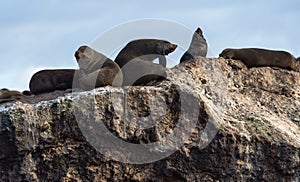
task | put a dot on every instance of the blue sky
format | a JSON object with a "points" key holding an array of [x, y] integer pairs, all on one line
{"points": [[36, 35]]}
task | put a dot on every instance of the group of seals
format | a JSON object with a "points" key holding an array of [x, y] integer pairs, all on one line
{"points": [[134, 65], [255, 57], [12, 95]]}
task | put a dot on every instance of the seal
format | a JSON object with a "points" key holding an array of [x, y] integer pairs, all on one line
{"points": [[145, 49], [46, 81], [198, 47], [96, 70], [10, 95], [255, 57], [298, 64], [138, 72]]}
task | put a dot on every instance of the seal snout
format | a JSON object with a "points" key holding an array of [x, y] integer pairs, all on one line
{"points": [[172, 48], [77, 55]]}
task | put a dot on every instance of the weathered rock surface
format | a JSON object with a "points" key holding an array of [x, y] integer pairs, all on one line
{"points": [[237, 124]]}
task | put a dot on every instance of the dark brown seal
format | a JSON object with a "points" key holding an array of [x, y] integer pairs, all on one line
{"points": [[198, 47], [46, 81], [298, 64], [138, 72], [9, 95], [145, 49], [255, 57], [96, 70]]}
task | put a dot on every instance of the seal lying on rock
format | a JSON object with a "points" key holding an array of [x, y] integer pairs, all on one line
{"points": [[145, 49], [46, 81], [255, 57], [96, 70], [198, 47], [138, 72], [10, 95], [136, 61]]}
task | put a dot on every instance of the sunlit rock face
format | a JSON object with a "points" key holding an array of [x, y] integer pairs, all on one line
{"points": [[211, 120]]}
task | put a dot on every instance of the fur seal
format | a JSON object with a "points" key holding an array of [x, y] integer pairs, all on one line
{"points": [[149, 49], [45, 81], [255, 57], [298, 64], [96, 70], [138, 72], [198, 47], [9, 95]]}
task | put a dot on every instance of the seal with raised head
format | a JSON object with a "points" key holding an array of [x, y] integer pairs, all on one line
{"points": [[96, 70], [46, 81], [146, 50], [198, 47], [256, 57], [9, 95]]}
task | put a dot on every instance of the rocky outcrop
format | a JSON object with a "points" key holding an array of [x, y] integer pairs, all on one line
{"points": [[212, 120]]}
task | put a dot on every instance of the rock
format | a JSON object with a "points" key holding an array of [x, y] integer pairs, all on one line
{"points": [[236, 124]]}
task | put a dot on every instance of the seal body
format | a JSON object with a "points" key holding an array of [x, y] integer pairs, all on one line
{"points": [[298, 64], [136, 61], [198, 47], [46, 81], [96, 70], [255, 57], [145, 49], [138, 72], [9, 95]]}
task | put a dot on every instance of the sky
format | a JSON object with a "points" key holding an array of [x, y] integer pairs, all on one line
{"points": [[36, 35]]}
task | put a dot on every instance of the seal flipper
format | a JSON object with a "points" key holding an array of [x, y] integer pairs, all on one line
{"points": [[162, 59]]}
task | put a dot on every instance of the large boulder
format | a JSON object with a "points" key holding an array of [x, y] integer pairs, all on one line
{"points": [[234, 123]]}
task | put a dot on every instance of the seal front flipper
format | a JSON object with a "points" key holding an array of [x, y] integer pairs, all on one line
{"points": [[162, 59]]}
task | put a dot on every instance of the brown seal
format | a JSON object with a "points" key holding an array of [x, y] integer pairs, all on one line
{"points": [[198, 47], [145, 49], [298, 64], [45, 81], [138, 72], [10, 95], [255, 57], [96, 70], [136, 61]]}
